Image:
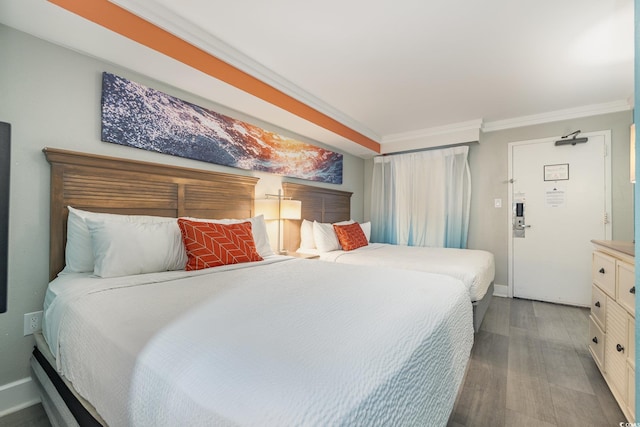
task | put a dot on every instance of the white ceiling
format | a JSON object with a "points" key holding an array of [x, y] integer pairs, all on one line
{"points": [[391, 70]]}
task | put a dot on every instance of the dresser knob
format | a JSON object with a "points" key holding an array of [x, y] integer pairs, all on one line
{"points": [[601, 270], [619, 348], [595, 340], [633, 290], [597, 304]]}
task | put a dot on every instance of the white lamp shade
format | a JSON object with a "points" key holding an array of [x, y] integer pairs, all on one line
{"points": [[268, 208], [291, 209]]}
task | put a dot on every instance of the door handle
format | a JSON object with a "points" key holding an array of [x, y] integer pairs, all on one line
{"points": [[633, 290], [619, 348], [597, 304], [601, 270], [595, 340]]}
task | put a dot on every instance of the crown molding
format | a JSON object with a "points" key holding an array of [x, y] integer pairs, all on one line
{"points": [[164, 18], [429, 132], [558, 115], [432, 137], [470, 130]]}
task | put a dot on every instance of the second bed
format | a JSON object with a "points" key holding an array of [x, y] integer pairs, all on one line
{"points": [[474, 267]]}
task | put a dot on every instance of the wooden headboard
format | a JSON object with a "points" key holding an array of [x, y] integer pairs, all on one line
{"points": [[318, 204], [107, 184]]}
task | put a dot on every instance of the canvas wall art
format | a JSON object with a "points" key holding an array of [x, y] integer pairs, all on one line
{"points": [[138, 116]]}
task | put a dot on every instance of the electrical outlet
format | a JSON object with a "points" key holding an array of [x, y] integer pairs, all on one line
{"points": [[32, 322]]}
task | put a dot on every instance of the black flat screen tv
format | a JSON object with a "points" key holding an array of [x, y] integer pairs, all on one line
{"points": [[5, 162]]}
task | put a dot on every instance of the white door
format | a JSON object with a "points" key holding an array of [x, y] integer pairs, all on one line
{"points": [[566, 196]]}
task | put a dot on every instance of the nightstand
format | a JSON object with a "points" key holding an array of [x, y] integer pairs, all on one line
{"points": [[303, 256]]}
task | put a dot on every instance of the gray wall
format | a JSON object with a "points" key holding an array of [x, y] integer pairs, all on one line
{"points": [[488, 228], [51, 97]]}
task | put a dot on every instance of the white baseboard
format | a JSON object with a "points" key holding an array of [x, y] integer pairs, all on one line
{"points": [[18, 395], [501, 291]]}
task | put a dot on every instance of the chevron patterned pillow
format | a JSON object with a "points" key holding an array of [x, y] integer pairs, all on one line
{"points": [[211, 245]]}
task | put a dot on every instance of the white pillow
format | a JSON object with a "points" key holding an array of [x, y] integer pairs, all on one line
{"points": [[123, 248], [325, 236], [307, 240], [258, 229], [78, 250], [366, 228]]}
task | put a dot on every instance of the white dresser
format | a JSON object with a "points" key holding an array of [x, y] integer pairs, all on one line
{"points": [[612, 320]]}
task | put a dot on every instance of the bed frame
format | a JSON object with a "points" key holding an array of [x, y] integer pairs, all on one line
{"points": [[107, 184], [318, 204], [326, 205], [129, 187]]}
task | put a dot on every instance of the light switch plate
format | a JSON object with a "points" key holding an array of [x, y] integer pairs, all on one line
{"points": [[497, 203]]}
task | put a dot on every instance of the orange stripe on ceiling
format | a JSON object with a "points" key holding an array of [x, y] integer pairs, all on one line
{"points": [[125, 23]]}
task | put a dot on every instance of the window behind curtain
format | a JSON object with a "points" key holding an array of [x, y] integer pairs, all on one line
{"points": [[422, 198]]}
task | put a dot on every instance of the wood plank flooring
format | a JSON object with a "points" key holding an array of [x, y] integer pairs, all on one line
{"points": [[33, 416], [529, 366]]}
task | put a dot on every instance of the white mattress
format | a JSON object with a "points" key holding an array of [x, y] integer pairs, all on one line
{"points": [[476, 268], [296, 342]]}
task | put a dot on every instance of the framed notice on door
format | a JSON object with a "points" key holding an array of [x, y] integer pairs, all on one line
{"points": [[556, 172]]}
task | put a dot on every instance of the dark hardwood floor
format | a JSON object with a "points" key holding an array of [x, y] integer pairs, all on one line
{"points": [[33, 416], [529, 366]]}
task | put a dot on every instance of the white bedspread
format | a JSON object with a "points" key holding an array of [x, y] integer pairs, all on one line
{"points": [[287, 343], [476, 268]]}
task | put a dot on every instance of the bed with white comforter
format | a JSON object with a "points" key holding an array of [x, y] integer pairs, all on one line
{"points": [[475, 268], [281, 342]]}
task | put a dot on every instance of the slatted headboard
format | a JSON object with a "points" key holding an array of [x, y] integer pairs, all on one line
{"points": [[107, 184], [318, 204]]}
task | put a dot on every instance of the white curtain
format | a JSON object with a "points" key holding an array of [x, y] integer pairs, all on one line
{"points": [[422, 198]]}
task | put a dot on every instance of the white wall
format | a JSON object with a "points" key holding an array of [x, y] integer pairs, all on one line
{"points": [[51, 97], [488, 228]]}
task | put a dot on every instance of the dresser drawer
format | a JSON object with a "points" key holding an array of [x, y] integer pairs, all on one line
{"points": [[598, 306], [626, 286], [631, 340], [603, 272], [631, 391], [596, 342], [616, 348]]}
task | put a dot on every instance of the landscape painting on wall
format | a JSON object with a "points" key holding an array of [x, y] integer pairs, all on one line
{"points": [[138, 116]]}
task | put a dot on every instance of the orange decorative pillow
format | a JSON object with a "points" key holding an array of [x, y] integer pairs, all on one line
{"points": [[211, 245], [350, 236]]}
